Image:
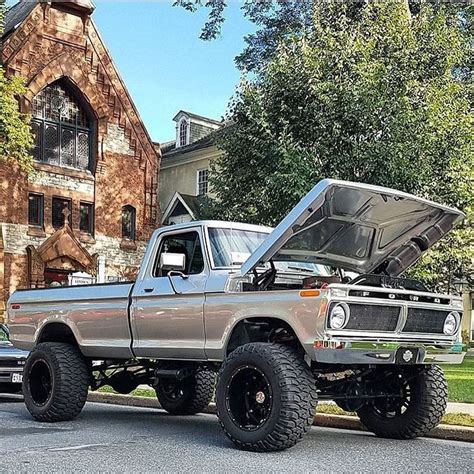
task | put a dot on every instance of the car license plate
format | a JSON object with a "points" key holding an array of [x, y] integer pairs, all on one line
{"points": [[17, 378]]}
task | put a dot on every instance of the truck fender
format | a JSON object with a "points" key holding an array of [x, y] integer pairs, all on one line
{"points": [[52, 329], [276, 320]]}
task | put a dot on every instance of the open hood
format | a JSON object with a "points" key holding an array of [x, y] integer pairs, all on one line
{"points": [[358, 227]]}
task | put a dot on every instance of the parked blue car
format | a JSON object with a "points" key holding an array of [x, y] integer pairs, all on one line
{"points": [[12, 362]]}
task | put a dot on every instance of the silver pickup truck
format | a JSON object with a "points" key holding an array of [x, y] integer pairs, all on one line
{"points": [[314, 308]]}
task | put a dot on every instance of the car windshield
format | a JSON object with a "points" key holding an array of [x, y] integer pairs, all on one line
{"points": [[3, 334], [231, 247]]}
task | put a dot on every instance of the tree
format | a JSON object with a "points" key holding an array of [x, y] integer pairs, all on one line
{"points": [[15, 132], [382, 97], [276, 20]]}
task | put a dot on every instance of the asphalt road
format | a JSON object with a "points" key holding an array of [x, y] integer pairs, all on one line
{"points": [[109, 438]]}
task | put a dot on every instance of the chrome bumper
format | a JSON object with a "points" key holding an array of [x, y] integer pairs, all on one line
{"points": [[387, 353]]}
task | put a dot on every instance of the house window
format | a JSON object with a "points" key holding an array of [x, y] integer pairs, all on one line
{"points": [[202, 182], [61, 127], [86, 223], [62, 209], [183, 133], [128, 223], [35, 209]]}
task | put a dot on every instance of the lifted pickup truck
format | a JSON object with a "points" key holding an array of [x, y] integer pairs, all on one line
{"points": [[312, 309]]}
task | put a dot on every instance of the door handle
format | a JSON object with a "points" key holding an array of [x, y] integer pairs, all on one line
{"points": [[148, 290]]}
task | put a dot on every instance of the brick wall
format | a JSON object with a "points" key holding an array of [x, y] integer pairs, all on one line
{"points": [[52, 43]]}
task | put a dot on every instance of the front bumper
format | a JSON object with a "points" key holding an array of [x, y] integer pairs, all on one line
{"points": [[332, 352]]}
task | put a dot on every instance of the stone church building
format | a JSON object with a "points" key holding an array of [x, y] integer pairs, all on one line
{"points": [[86, 213]]}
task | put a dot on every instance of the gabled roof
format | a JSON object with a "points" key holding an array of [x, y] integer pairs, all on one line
{"points": [[92, 64], [189, 202], [16, 14], [63, 243], [198, 117]]}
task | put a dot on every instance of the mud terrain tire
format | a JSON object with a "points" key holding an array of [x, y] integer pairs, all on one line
{"points": [[266, 397], [425, 409], [188, 397], [55, 382]]}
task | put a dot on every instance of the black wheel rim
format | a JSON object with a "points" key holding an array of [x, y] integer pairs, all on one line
{"points": [[396, 405], [172, 391], [249, 398], [40, 382]]}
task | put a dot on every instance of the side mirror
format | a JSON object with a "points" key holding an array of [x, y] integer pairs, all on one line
{"points": [[172, 262]]}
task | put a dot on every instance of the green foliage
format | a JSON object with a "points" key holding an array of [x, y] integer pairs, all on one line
{"points": [[277, 20], [15, 133], [379, 97]]}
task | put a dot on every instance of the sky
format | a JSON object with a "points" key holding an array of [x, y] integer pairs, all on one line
{"points": [[164, 64]]}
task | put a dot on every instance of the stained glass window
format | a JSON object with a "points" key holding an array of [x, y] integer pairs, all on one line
{"points": [[61, 127]]}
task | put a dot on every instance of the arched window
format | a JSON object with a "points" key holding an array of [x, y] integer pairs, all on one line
{"points": [[62, 128], [128, 223], [183, 132]]}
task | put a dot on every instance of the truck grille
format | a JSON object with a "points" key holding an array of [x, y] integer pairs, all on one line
{"points": [[373, 317], [425, 320]]}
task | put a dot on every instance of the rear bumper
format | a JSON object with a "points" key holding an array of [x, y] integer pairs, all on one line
{"points": [[7, 372], [332, 352]]}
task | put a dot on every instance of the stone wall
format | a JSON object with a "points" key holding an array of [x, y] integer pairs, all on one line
{"points": [[58, 42]]}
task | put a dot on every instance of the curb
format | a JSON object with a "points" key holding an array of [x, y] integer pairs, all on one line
{"points": [[448, 432]]}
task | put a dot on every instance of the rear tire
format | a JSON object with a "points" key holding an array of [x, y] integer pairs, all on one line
{"points": [[266, 397], [424, 401], [189, 396], [56, 379]]}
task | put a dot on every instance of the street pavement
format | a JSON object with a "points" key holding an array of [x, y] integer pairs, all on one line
{"points": [[115, 438]]}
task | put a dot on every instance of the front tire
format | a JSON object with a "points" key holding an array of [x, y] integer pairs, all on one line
{"points": [[189, 396], [55, 382], [266, 397], [419, 409]]}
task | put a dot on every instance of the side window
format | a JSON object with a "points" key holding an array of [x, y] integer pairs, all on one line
{"points": [[188, 244]]}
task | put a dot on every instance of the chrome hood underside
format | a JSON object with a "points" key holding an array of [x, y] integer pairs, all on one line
{"points": [[358, 227]]}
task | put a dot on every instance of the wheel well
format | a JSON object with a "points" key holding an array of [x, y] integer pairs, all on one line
{"points": [[57, 332], [263, 330]]}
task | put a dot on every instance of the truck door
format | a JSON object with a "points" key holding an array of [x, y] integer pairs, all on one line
{"points": [[167, 310]]}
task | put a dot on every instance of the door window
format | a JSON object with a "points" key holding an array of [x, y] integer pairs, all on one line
{"points": [[188, 244]]}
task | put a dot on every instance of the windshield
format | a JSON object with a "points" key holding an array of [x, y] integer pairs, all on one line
{"points": [[227, 243], [231, 247], [3, 334]]}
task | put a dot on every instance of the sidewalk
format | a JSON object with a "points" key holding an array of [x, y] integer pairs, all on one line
{"points": [[460, 408], [467, 408]]}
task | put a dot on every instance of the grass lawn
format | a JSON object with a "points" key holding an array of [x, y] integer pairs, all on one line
{"points": [[461, 381]]}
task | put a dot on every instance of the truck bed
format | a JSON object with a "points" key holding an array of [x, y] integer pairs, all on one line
{"points": [[98, 316]]}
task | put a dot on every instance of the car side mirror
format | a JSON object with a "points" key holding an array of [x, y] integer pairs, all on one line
{"points": [[172, 262]]}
